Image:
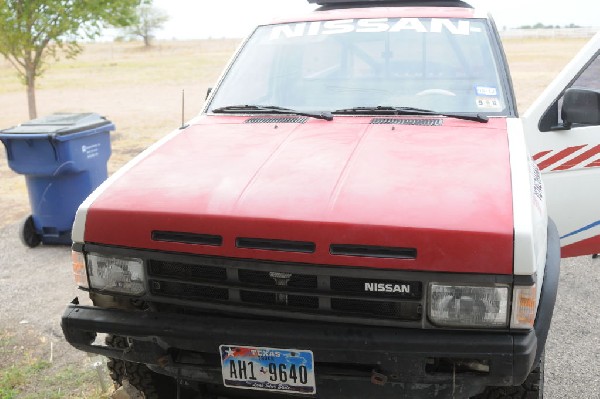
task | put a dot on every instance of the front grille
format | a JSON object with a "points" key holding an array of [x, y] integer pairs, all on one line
{"points": [[281, 289]]}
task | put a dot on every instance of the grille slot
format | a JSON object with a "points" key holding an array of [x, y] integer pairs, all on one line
{"points": [[298, 119], [393, 310], [187, 291], [187, 238], [279, 300], [186, 272], [369, 251], [275, 245], [407, 121]]}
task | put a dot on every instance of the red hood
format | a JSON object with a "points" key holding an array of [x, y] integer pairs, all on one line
{"points": [[442, 190]]}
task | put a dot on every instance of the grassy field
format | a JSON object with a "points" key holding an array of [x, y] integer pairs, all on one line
{"points": [[140, 91]]}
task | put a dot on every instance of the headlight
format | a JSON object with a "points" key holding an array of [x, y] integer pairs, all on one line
{"points": [[115, 274], [468, 306]]}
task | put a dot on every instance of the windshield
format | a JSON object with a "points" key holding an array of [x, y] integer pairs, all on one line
{"points": [[445, 65]]}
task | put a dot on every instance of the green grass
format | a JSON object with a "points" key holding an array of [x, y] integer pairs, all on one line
{"points": [[15, 377], [39, 380], [24, 375], [9, 381]]}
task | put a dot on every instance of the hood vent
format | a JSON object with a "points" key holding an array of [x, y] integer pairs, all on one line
{"points": [[405, 121], [188, 238], [276, 245], [298, 119], [369, 251]]}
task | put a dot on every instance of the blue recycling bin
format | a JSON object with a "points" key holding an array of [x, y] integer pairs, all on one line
{"points": [[63, 158]]}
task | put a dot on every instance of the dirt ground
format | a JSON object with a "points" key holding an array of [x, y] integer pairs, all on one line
{"points": [[140, 91]]}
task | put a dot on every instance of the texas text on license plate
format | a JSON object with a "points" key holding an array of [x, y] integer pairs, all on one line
{"points": [[268, 369]]}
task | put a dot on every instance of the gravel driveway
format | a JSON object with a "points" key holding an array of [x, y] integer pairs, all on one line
{"points": [[36, 285]]}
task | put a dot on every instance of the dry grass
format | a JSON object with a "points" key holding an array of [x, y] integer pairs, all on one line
{"points": [[140, 91], [535, 62]]}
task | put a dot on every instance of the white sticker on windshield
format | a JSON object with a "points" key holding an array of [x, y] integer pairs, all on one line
{"points": [[488, 103], [486, 91], [373, 25]]}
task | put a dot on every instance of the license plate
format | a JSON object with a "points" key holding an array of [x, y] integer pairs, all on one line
{"points": [[268, 369]]}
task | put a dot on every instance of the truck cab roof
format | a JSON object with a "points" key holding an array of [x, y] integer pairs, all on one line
{"points": [[386, 9], [379, 3]]}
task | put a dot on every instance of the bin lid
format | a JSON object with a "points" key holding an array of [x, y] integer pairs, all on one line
{"points": [[60, 124]]}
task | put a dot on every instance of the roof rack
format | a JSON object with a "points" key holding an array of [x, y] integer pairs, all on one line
{"points": [[427, 3]]}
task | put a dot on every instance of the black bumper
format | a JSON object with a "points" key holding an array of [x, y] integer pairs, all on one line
{"points": [[400, 355], [346, 356]]}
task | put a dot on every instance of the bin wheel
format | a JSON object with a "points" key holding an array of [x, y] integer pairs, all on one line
{"points": [[27, 233]]}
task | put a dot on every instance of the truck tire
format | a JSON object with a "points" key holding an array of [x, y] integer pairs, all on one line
{"points": [[151, 384], [532, 388]]}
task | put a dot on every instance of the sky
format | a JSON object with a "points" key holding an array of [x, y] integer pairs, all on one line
{"points": [[191, 19]]}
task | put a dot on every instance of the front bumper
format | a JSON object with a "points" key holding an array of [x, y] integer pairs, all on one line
{"points": [[346, 357], [351, 361]]}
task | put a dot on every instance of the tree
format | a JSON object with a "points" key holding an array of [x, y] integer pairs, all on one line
{"points": [[149, 19], [32, 31]]}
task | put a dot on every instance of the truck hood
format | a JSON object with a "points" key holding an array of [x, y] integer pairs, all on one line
{"points": [[401, 193]]}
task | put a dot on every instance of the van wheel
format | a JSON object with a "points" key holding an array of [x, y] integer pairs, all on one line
{"points": [[29, 237], [151, 384], [532, 388]]}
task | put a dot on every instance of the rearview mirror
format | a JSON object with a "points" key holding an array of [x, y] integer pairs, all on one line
{"points": [[581, 107]]}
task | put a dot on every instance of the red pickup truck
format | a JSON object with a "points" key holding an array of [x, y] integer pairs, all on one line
{"points": [[358, 212]]}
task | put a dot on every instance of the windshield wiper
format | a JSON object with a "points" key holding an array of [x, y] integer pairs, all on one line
{"points": [[272, 109], [388, 110]]}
